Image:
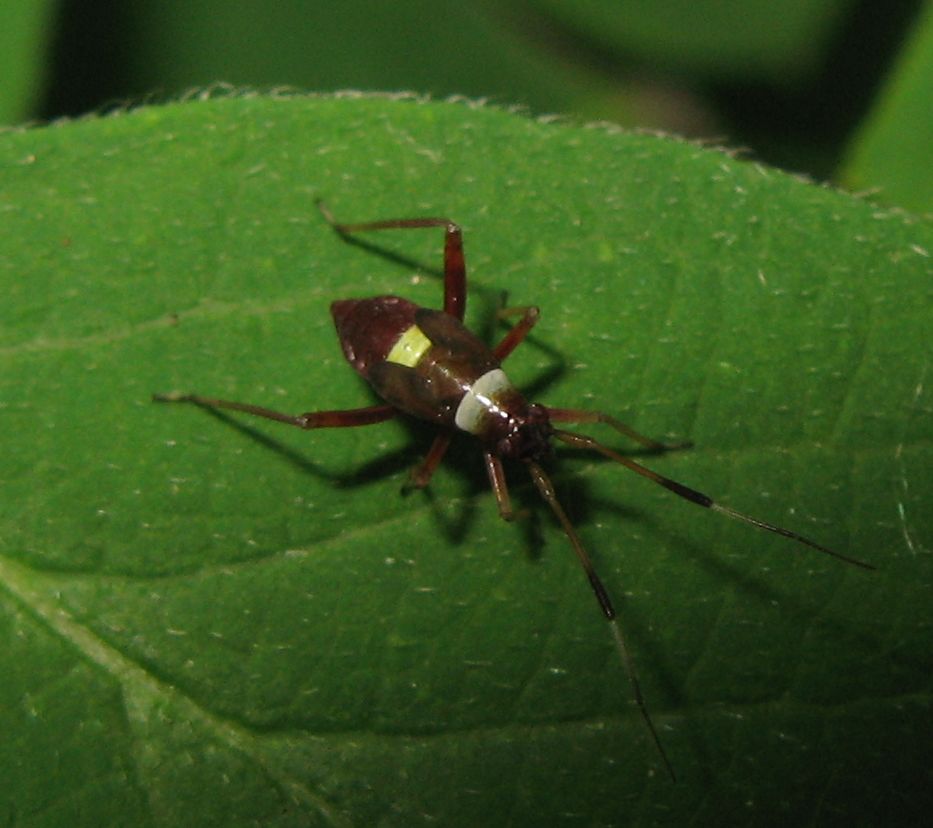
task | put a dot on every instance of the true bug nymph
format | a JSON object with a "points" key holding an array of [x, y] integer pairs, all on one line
{"points": [[426, 364]]}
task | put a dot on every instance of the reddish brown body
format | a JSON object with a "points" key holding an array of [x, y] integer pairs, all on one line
{"points": [[430, 390], [448, 376]]}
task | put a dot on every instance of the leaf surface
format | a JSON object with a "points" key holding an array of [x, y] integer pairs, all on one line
{"points": [[220, 620]]}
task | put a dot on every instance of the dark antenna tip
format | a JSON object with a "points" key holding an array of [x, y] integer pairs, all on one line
{"points": [[629, 665], [700, 499], [546, 490]]}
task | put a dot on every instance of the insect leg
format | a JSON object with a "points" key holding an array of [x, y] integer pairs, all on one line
{"points": [[421, 474], [499, 486], [679, 489], [519, 331], [576, 415], [346, 418], [546, 490], [454, 262]]}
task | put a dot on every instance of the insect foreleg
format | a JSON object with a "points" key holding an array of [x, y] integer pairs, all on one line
{"points": [[499, 486]]}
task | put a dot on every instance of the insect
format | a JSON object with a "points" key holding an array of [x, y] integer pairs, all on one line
{"points": [[424, 363]]}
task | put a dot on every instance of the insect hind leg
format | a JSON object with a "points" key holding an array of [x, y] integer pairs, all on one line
{"points": [[454, 261], [342, 418]]}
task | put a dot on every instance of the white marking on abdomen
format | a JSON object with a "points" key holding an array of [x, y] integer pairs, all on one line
{"points": [[480, 400]]}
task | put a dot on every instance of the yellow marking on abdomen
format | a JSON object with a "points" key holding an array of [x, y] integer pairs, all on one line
{"points": [[409, 349]]}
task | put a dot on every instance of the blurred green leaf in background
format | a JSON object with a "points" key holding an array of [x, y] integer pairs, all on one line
{"points": [[893, 150], [805, 85], [25, 29]]}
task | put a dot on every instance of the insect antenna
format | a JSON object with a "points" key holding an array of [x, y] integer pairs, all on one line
{"points": [[546, 490], [582, 441]]}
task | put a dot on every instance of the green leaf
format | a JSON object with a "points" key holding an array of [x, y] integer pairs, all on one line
{"points": [[221, 620], [751, 39], [25, 28], [892, 150]]}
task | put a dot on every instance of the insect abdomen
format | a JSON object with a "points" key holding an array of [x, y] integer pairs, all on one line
{"points": [[422, 361], [369, 328]]}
